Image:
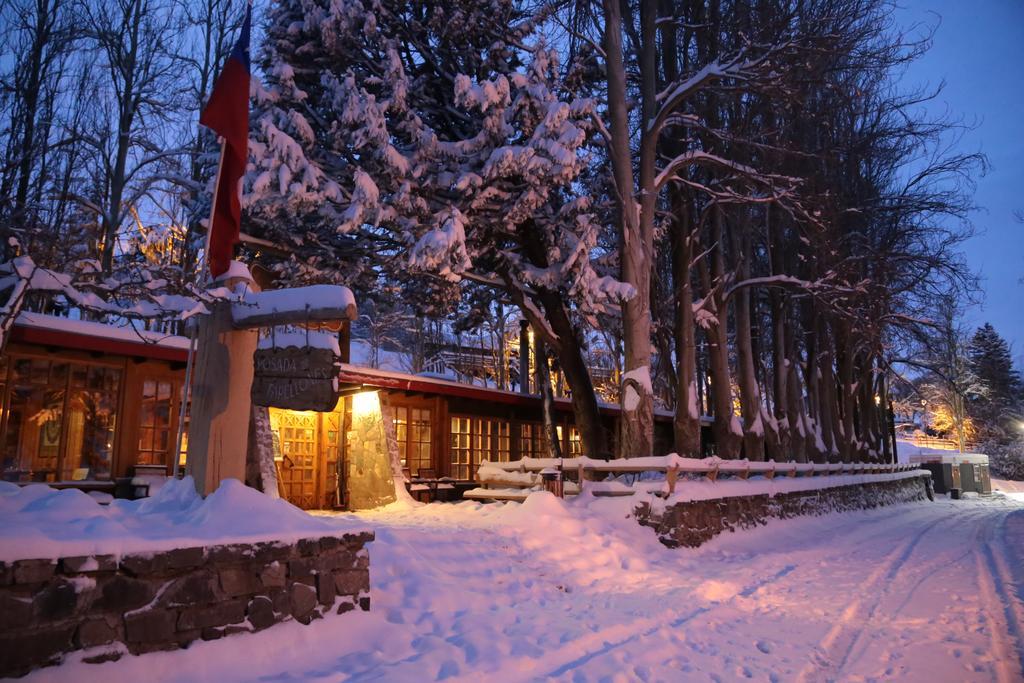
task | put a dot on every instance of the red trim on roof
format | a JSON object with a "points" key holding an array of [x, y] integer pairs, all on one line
{"points": [[352, 376], [85, 342]]}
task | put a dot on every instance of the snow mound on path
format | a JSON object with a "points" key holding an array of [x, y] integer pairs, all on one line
{"points": [[41, 522]]}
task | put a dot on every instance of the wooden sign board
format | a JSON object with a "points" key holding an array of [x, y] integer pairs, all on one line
{"points": [[295, 378], [302, 393], [295, 362]]}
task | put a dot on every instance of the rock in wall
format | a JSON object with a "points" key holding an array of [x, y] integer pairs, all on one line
{"points": [[165, 600], [691, 523]]}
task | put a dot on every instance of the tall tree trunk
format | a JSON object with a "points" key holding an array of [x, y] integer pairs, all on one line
{"points": [[541, 372], [750, 392], [686, 422], [727, 431], [637, 230]]}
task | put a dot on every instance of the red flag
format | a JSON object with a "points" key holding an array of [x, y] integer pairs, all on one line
{"points": [[227, 114]]}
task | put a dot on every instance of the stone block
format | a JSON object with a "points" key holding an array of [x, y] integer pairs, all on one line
{"points": [[260, 612], [95, 632], [211, 633], [234, 553], [150, 626], [139, 564], [185, 638], [34, 571], [329, 543], [303, 601], [183, 558], [345, 606], [6, 574], [15, 611], [359, 539], [235, 581], [122, 593], [24, 650], [108, 656], [273, 551], [308, 546], [363, 560], [195, 588], [58, 600], [86, 564], [219, 614], [273, 575], [302, 570], [352, 581], [141, 648], [282, 601], [364, 603], [325, 588]]}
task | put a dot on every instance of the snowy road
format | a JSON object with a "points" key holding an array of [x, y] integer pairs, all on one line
{"points": [[921, 592]]}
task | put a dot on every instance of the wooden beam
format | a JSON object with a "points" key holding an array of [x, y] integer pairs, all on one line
{"points": [[296, 306]]}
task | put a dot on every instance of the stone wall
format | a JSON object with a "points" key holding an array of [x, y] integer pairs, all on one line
{"points": [[691, 523], [165, 600]]}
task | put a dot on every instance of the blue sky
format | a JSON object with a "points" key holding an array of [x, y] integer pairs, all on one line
{"points": [[978, 51]]}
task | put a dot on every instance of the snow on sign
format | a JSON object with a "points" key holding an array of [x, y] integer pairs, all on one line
{"points": [[296, 370]]}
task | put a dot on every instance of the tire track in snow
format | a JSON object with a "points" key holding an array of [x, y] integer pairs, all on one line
{"points": [[834, 650], [563, 660], [996, 581]]}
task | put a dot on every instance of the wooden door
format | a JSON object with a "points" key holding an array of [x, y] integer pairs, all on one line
{"points": [[333, 428], [299, 466]]}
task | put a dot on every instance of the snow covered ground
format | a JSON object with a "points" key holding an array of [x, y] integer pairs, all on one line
{"points": [[577, 592]]}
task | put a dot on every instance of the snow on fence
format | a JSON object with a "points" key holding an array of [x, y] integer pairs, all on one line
{"points": [[514, 480]]}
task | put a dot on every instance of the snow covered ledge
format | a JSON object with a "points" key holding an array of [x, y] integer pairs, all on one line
{"points": [[699, 511], [157, 574]]}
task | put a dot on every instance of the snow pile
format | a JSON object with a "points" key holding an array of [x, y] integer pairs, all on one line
{"points": [[574, 590], [41, 522], [129, 331]]}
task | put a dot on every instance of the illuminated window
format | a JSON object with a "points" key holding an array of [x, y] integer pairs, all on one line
{"points": [[157, 427], [59, 420], [413, 433], [475, 439], [575, 442], [461, 444], [531, 440]]}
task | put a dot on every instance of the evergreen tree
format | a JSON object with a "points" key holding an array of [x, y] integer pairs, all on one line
{"points": [[995, 411], [434, 137]]}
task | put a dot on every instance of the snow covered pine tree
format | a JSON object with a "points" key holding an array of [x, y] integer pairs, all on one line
{"points": [[356, 138]]}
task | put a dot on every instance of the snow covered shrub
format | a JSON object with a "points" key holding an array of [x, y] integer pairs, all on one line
{"points": [[1006, 461]]}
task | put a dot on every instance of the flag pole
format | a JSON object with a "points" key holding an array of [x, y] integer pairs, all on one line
{"points": [[186, 388]]}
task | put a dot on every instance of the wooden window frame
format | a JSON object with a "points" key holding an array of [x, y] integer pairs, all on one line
{"points": [[12, 356]]}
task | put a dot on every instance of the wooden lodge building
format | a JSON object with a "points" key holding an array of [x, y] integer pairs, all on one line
{"points": [[84, 404]]}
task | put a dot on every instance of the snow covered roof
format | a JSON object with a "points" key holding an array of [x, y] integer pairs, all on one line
{"points": [[127, 339], [950, 458], [374, 378]]}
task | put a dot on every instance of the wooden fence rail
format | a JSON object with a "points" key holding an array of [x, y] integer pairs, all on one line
{"points": [[510, 480]]}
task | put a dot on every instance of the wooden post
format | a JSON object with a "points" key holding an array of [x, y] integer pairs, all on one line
{"points": [[219, 433], [524, 357]]}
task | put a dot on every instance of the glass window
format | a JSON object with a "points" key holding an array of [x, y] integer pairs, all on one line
{"points": [[413, 434], [461, 438], [531, 440], [157, 428], [575, 442], [474, 440], [92, 415], [60, 420]]}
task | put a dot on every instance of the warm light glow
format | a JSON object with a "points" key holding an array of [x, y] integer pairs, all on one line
{"points": [[365, 403]]}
